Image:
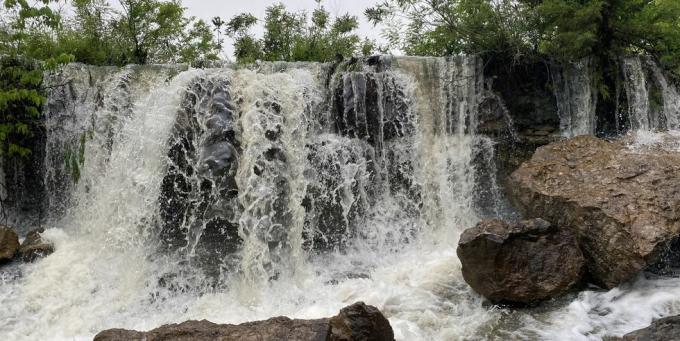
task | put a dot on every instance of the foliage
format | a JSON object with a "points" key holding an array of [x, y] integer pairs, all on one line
{"points": [[566, 30], [439, 28], [20, 105], [296, 36], [21, 98]]}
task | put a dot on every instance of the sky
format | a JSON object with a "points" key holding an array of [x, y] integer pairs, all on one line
{"points": [[207, 9]]}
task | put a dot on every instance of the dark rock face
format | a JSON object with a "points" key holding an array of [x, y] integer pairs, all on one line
{"points": [[371, 106], [199, 191], [9, 244], [665, 329], [358, 322], [34, 247], [336, 203], [623, 205], [520, 263]]}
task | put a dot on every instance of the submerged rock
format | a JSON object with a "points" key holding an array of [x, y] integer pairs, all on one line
{"points": [[358, 322], [34, 247], [9, 244], [520, 263], [623, 204], [664, 329]]}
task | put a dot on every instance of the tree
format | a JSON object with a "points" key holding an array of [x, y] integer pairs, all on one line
{"points": [[150, 30], [439, 28], [296, 37], [247, 49], [198, 45]]}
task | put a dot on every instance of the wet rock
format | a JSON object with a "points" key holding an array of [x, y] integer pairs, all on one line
{"points": [[360, 322], [354, 323], [665, 329], [339, 190], [522, 262], [34, 247], [623, 204], [199, 209], [9, 244]]}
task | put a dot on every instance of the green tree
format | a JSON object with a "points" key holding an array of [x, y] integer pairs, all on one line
{"points": [[198, 45], [296, 37], [439, 28], [150, 30], [247, 49]]}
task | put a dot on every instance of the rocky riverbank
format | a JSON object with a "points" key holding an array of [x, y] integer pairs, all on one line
{"points": [[358, 322], [612, 207], [32, 248]]}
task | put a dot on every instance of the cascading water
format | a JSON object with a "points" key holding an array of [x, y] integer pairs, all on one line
{"points": [[236, 194], [652, 106], [576, 98]]}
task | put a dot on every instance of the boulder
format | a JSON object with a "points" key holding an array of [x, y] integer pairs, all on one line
{"points": [[34, 247], [622, 203], [9, 244], [523, 262], [665, 329], [358, 322]]}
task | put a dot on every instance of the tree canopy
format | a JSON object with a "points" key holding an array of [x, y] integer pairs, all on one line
{"points": [[297, 36]]}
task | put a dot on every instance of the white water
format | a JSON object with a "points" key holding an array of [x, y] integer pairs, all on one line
{"points": [[107, 273], [653, 100], [576, 98]]}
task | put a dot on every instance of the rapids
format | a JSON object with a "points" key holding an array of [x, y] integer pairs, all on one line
{"points": [[236, 194]]}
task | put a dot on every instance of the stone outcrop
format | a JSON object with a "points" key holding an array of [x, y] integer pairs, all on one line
{"points": [[358, 322], [522, 262], [665, 329], [9, 244], [34, 247], [623, 204]]}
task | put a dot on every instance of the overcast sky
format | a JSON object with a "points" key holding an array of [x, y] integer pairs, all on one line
{"points": [[207, 9]]}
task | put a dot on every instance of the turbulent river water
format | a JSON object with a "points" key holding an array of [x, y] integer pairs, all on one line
{"points": [[238, 194]]}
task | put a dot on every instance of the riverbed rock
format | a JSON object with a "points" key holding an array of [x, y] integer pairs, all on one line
{"points": [[665, 329], [523, 262], [35, 247], [622, 203], [9, 244], [358, 322]]}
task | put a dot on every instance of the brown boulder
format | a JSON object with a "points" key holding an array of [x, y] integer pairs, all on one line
{"points": [[9, 244], [34, 247], [522, 262], [358, 322], [623, 204], [665, 329]]}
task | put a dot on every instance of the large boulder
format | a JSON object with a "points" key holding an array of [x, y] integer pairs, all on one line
{"points": [[522, 262], [358, 322], [622, 203], [665, 329], [35, 247], [9, 244]]}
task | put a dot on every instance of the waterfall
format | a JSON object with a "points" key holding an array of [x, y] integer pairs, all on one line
{"points": [[653, 101], [576, 98], [637, 94], [671, 99], [240, 193]]}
